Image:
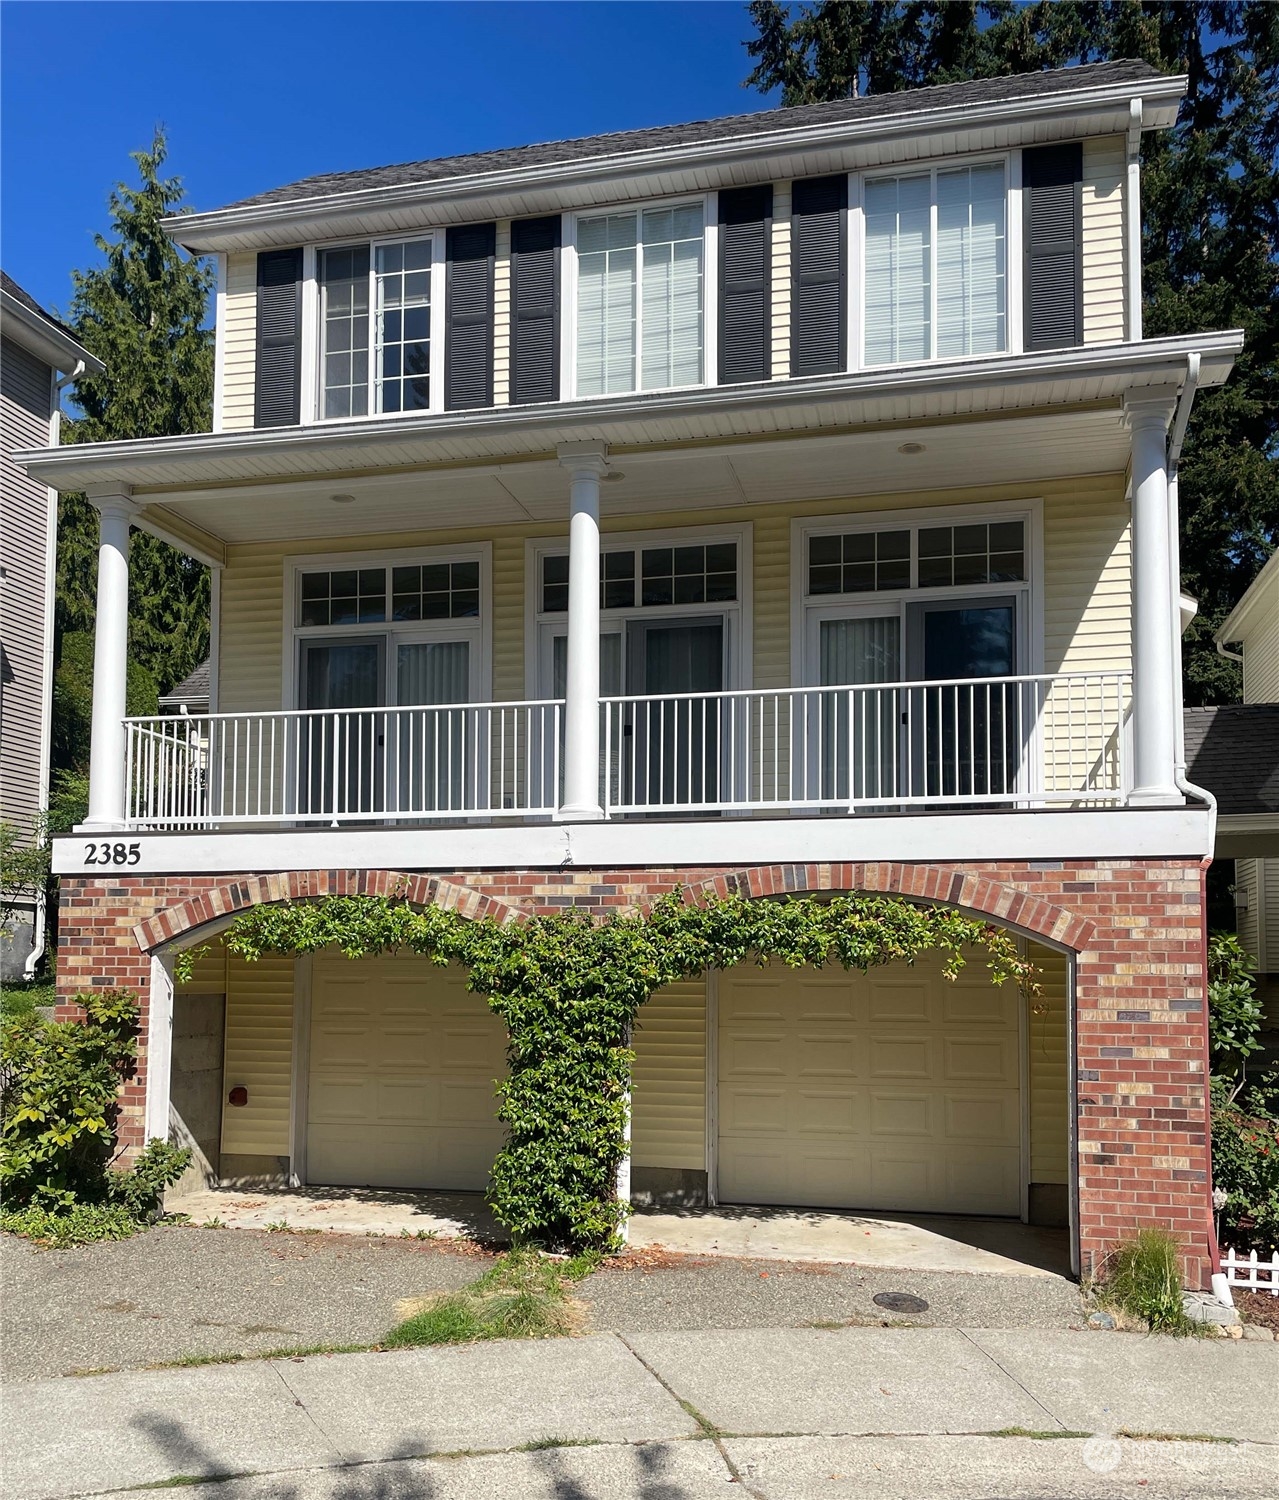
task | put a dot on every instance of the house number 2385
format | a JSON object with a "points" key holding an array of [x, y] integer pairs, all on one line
{"points": [[112, 854]]}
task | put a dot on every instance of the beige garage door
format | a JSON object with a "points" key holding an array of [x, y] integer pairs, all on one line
{"points": [[401, 1083], [895, 1090]]}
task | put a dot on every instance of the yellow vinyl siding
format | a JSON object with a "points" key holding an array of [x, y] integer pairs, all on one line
{"points": [[1049, 1069], [259, 1055], [208, 970], [502, 315], [240, 320], [668, 1100], [781, 280], [1105, 168]]}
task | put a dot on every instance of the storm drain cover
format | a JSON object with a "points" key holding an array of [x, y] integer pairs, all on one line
{"points": [[900, 1302]]}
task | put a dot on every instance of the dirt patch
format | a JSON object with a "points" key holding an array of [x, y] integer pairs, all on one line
{"points": [[1259, 1308]]}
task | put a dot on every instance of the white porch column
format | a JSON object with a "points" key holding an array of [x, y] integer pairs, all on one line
{"points": [[586, 463], [115, 510], [1154, 687]]}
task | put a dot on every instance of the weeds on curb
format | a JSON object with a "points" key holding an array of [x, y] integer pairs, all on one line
{"points": [[523, 1295], [1045, 1436], [1142, 1279]]}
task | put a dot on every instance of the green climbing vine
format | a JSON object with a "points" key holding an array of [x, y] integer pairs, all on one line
{"points": [[569, 989]]}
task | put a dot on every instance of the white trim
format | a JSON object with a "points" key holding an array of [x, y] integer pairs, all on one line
{"points": [[1023, 1090], [1015, 253], [479, 629], [309, 351], [738, 613], [300, 1069], [712, 1088], [568, 293], [159, 1046], [1128, 833], [219, 339], [1072, 1113], [1132, 224]]}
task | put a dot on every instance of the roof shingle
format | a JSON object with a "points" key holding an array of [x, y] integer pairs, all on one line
{"points": [[1233, 750]]}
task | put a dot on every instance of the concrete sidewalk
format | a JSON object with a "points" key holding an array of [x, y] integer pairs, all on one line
{"points": [[783, 1412]]}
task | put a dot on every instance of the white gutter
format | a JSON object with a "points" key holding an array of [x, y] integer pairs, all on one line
{"points": [[88, 463], [200, 231], [1132, 221], [40, 924], [44, 338]]}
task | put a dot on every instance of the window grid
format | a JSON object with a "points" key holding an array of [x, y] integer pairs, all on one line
{"points": [[702, 574], [343, 596], [992, 552], [436, 591], [403, 333], [344, 329], [858, 562]]}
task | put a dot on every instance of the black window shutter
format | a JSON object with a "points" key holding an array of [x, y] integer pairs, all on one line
{"points": [[277, 380], [468, 350], [745, 283], [535, 310], [819, 290], [1052, 187]]}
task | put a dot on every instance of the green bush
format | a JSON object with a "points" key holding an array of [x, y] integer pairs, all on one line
{"points": [[1143, 1279], [1234, 1007], [59, 1092], [1245, 1164]]}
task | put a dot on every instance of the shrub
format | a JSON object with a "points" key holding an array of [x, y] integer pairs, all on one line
{"points": [[1245, 1163], [1143, 1279], [1234, 1008], [59, 1089]]}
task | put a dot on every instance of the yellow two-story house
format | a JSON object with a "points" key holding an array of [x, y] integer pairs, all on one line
{"points": [[776, 503]]}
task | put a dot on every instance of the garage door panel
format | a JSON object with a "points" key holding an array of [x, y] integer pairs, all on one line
{"points": [[401, 1091], [897, 1090]]}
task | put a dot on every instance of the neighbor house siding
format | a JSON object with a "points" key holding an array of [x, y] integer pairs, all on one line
{"points": [[1261, 657], [1048, 1068], [259, 1055], [1105, 168], [25, 406], [668, 1100], [240, 321]]}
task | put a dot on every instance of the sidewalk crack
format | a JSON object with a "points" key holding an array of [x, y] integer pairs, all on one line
{"points": [[1047, 1411], [708, 1429], [342, 1458]]}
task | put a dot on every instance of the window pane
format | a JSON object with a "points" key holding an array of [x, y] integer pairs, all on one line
{"points": [[898, 269], [344, 330], [403, 326], [672, 325], [970, 261], [606, 304]]}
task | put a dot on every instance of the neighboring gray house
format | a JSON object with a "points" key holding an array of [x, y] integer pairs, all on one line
{"points": [[192, 694], [38, 357]]}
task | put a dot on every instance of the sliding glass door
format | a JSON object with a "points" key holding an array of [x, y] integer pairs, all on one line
{"points": [[441, 753], [337, 763]]}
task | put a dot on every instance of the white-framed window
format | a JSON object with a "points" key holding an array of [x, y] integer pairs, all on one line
{"points": [[378, 327], [640, 294], [934, 262]]}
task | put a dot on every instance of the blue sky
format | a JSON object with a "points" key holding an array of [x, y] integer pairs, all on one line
{"points": [[257, 95]]}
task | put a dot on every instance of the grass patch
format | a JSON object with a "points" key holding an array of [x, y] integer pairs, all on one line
{"points": [[522, 1296], [190, 1361], [1047, 1436], [79, 1224], [22, 998], [1142, 1278], [187, 1481], [540, 1445], [1174, 1437]]}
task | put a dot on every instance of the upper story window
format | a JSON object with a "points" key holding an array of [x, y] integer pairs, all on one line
{"points": [[640, 300], [375, 328], [926, 557], [936, 281]]}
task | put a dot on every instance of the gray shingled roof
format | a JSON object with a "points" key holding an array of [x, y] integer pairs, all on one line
{"points": [[1234, 752], [30, 303], [945, 96], [194, 688]]}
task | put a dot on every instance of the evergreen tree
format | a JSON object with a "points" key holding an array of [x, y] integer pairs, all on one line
{"points": [[142, 313], [1210, 198]]}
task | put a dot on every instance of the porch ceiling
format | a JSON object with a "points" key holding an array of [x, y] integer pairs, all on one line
{"points": [[1023, 449]]}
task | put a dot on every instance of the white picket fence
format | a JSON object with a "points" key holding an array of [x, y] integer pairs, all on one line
{"points": [[1251, 1272]]}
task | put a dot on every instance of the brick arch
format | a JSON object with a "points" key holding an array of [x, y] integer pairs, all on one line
{"points": [[224, 901], [964, 888]]}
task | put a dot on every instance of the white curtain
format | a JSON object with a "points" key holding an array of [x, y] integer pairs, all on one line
{"points": [[970, 261], [859, 749], [898, 269], [437, 750]]}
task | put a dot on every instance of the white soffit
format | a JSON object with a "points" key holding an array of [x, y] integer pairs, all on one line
{"points": [[1025, 450]]}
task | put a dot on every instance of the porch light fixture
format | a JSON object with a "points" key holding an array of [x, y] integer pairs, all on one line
{"points": [[911, 448], [342, 499], [614, 476]]}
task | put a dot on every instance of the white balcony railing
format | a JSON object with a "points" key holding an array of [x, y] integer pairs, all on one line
{"points": [[984, 742]]}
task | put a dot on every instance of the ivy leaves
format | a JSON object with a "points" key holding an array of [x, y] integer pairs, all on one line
{"points": [[569, 990]]}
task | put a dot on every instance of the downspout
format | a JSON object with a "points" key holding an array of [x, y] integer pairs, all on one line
{"points": [[40, 924], [1177, 436]]}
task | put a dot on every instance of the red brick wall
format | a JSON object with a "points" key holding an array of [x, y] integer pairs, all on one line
{"points": [[1136, 927]]}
